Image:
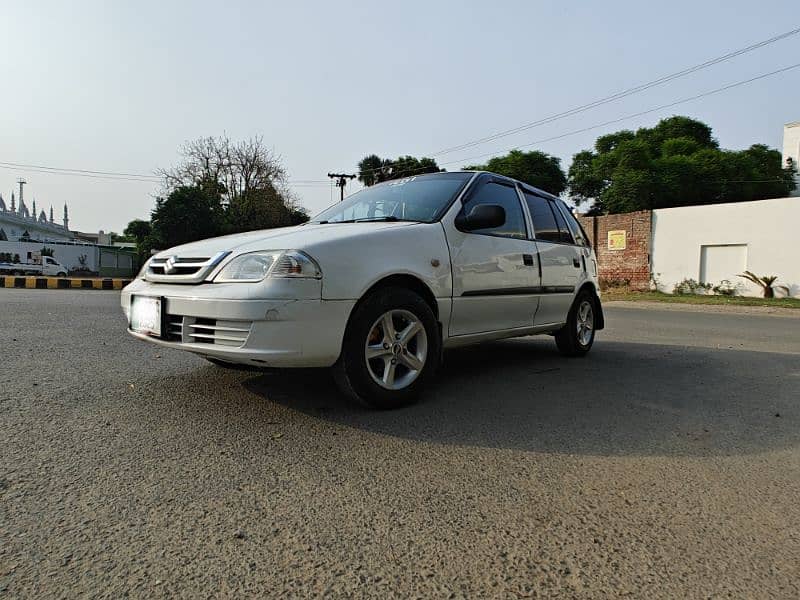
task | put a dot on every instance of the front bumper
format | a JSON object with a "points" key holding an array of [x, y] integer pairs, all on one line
{"points": [[289, 332]]}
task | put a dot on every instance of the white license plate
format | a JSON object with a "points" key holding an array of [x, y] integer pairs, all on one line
{"points": [[146, 315]]}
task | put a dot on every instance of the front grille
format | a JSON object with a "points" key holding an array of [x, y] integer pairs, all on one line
{"points": [[182, 269], [174, 328], [200, 330]]}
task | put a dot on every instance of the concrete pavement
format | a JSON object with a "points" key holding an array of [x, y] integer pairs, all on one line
{"points": [[666, 464]]}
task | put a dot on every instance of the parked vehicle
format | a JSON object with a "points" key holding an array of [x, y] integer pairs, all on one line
{"points": [[45, 265], [379, 284]]}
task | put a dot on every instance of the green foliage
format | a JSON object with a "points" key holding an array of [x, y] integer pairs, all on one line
{"points": [[257, 209], [535, 168], [690, 286], [675, 163], [188, 214], [373, 169], [140, 232], [47, 252], [725, 288]]}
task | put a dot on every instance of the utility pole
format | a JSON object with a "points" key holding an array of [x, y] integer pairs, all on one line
{"points": [[341, 181]]}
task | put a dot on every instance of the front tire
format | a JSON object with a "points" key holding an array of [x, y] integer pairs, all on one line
{"points": [[391, 349], [577, 336]]}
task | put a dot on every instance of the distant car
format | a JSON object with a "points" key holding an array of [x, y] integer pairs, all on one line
{"points": [[379, 284], [44, 266]]}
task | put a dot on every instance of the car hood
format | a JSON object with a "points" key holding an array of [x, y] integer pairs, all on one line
{"points": [[282, 238]]}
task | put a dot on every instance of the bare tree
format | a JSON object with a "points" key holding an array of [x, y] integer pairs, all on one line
{"points": [[236, 168]]}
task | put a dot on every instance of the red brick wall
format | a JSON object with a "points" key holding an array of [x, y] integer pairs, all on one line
{"points": [[633, 263]]}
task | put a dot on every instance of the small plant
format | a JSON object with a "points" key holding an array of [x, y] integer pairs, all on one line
{"points": [[47, 252], [690, 286], [765, 282], [16, 258], [725, 288]]}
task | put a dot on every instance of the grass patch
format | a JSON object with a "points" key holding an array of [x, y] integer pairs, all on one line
{"points": [[622, 294]]}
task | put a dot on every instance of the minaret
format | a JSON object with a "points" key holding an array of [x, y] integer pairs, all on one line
{"points": [[51, 213], [66, 217], [13, 206], [33, 212]]}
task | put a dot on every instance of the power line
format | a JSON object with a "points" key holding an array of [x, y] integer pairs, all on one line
{"points": [[74, 171], [622, 94], [633, 115], [75, 174]]}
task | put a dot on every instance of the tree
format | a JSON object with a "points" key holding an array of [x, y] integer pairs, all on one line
{"points": [[141, 233], [535, 168], [243, 185], [137, 230], [188, 214], [675, 163], [232, 168], [372, 169], [257, 209]]}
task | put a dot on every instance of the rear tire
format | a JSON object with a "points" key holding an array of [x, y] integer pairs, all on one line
{"points": [[391, 349], [577, 336]]}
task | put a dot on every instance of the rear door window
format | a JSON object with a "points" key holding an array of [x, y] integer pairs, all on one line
{"points": [[564, 235], [544, 222]]}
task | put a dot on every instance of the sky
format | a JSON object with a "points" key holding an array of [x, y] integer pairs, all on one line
{"points": [[119, 86]]}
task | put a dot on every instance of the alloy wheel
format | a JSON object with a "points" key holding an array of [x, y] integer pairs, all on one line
{"points": [[396, 349], [585, 323]]}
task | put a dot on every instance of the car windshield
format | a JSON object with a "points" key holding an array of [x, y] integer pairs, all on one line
{"points": [[419, 198]]}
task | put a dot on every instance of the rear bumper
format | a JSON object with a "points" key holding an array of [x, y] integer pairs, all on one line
{"points": [[269, 333]]}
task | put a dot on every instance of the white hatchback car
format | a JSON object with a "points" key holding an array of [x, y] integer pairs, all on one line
{"points": [[380, 284]]}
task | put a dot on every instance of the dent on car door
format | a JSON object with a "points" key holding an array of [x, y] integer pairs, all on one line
{"points": [[560, 260], [494, 274]]}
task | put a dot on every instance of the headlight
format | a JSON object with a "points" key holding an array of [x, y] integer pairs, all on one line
{"points": [[256, 266]]}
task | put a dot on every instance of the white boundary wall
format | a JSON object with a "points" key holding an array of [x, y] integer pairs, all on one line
{"points": [[66, 254], [769, 230]]}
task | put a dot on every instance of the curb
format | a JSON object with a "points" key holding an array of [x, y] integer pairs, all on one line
{"points": [[61, 283]]}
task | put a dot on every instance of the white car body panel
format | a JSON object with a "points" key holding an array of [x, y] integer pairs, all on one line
{"points": [[285, 322]]}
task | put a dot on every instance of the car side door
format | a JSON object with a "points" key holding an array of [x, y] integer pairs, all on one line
{"points": [[494, 271], [560, 259]]}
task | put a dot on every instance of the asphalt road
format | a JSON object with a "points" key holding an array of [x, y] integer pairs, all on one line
{"points": [[666, 464]]}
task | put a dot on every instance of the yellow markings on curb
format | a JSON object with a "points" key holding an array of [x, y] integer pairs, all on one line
{"points": [[29, 282]]}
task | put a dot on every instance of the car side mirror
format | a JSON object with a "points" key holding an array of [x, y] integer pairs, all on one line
{"points": [[482, 216]]}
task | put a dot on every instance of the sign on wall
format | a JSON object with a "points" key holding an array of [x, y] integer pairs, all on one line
{"points": [[617, 239]]}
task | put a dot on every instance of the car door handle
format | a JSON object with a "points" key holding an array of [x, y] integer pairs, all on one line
{"points": [[527, 259], [576, 263]]}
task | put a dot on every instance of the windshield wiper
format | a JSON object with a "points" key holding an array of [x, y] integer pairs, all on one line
{"points": [[386, 219], [389, 219]]}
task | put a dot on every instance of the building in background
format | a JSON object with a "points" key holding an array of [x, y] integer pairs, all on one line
{"points": [[18, 222], [791, 149], [24, 234]]}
